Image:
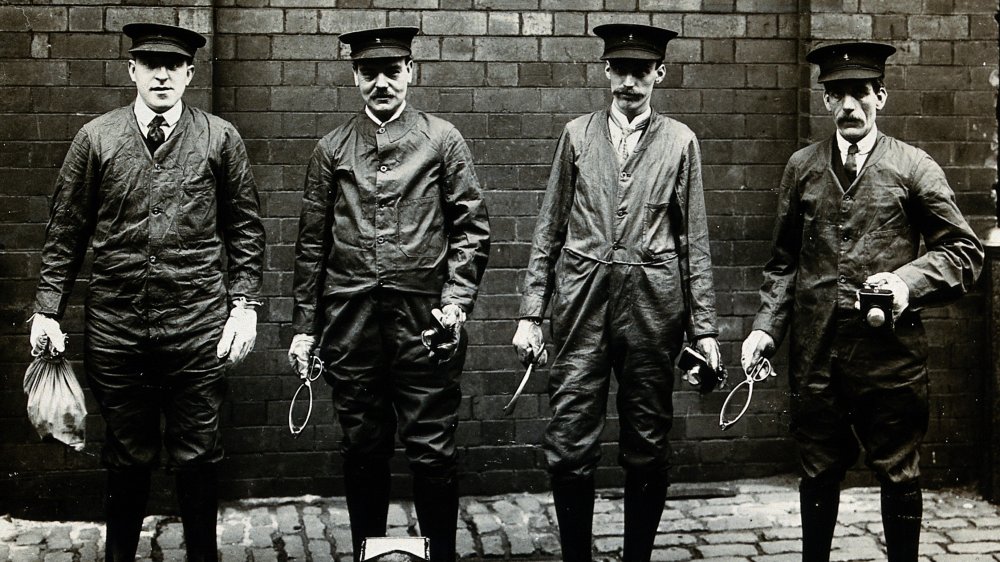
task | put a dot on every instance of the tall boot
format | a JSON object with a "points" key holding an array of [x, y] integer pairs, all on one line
{"points": [[645, 496], [127, 495], [198, 498], [367, 491], [436, 501], [574, 499], [902, 511], [820, 500]]}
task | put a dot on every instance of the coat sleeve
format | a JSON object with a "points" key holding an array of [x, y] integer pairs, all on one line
{"points": [[777, 294], [954, 256], [467, 224], [550, 231], [240, 223], [696, 258], [71, 223], [313, 243]]}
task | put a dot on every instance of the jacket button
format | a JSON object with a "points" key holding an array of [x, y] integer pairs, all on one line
{"points": [[158, 167], [157, 210], [843, 279], [381, 240], [621, 212], [383, 168], [152, 259], [381, 129]]}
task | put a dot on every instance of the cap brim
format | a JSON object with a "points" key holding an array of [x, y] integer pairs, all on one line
{"points": [[849, 74], [381, 52], [156, 47], [631, 53]]}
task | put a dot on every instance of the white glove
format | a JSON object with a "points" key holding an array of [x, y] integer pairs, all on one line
{"points": [[709, 347], [450, 316], [530, 343], [758, 345], [299, 352], [239, 334], [45, 332], [900, 292]]}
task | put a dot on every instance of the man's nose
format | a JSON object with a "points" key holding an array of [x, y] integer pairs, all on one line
{"points": [[381, 82], [160, 73], [629, 80], [849, 103]]}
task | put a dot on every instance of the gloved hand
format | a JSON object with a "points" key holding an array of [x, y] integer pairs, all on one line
{"points": [[758, 345], [239, 334], [709, 347], [450, 316], [299, 353], [530, 343], [900, 292], [45, 333]]}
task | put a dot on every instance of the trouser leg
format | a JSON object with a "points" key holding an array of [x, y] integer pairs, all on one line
{"points": [[197, 495], [902, 512], [128, 492], [820, 500], [574, 499], [645, 496], [367, 492], [436, 502]]}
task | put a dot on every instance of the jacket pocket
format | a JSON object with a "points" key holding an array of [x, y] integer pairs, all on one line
{"points": [[420, 227], [658, 237]]}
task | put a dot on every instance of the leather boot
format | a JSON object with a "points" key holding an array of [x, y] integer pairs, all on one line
{"points": [[819, 499], [367, 492], [436, 502], [574, 499], [645, 495], [127, 495], [902, 512], [198, 498]]}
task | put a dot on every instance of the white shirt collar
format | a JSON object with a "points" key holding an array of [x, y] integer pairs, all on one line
{"points": [[143, 114], [395, 116], [620, 119], [865, 145]]}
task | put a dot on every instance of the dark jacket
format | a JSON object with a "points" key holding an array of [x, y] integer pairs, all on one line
{"points": [[160, 224], [398, 207], [828, 240], [649, 213]]}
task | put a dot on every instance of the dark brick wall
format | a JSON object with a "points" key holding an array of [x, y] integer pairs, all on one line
{"points": [[509, 74]]}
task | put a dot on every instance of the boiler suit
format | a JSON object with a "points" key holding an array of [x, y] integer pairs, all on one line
{"points": [[393, 224], [622, 253], [829, 237], [156, 302]]}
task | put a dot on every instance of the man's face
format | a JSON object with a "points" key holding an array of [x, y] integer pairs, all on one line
{"points": [[632, 83], [854, 106], [160, 78], [383, 83]]}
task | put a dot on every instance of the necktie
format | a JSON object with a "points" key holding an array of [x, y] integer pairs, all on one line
{"points": [[851, 163], [155, 134], [622, 149]]}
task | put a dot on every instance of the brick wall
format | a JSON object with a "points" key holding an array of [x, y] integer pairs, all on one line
{"points": [[509, 74]]}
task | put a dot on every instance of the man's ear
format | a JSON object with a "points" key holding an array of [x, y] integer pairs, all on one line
{"points": [[131, 69], [607, 69], [190, 74], [881, 96], [409, 71], [826, 101], [661, 72]]}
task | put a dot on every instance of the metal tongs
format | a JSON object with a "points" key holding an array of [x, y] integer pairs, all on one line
{"points": [[312, 373], [758, 372]]}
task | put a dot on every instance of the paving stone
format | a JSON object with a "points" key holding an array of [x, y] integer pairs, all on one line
{"points": [[721, 538], [492, 545], [339, 516], [145, 547], [264, 555], [465, 544], [397, 516], [25, 553], [232, 533], [529, 504], [670, 555], [984, 547], [779, 547], [674, 539], [341, 540], [171, 537], [485, 522], [608, 545], [260, 537], [58, 557], [315, 528], [294, 548], [232, 553], [718, 550], [173, 555], [87, 550], [520, 541], [260, 517], [288, 519], [32, 537], [548, 543]]}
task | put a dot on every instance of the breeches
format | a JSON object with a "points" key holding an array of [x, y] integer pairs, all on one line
{"points": [[384, 380]]}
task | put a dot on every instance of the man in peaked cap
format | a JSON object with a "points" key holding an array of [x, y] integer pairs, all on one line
{"points": [[162, 190], [852, 210], [393, 240], [621, 249]]}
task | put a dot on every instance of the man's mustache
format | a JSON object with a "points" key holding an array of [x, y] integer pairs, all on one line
{"points": [[626, 93], [849, 121]]}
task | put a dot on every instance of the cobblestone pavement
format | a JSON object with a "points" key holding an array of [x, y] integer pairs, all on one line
{"points": [[753, 520]]}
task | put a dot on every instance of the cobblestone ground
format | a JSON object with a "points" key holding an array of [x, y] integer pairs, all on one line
{"points": [[755, 521]]}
